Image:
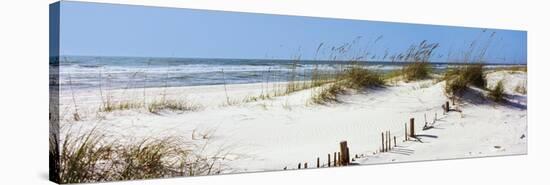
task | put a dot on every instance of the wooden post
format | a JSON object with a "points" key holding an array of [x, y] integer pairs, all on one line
{"points": [[305, 165], [394, 141], [335, 162], [389, 140], [299, 166], [328, 160], [348, 159], [406, 134], [447, 106], [318, 163], [347, 156], [412, 127], [382, 142], [386, 142], [339, 159]]}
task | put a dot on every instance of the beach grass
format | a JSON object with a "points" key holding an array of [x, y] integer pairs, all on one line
{"points": [[497, 92], [355, 77], [171, 104], [460, 78], [416, 71], [91, 157]]}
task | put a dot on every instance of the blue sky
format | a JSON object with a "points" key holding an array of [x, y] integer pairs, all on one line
{"points": [[94, 29]]}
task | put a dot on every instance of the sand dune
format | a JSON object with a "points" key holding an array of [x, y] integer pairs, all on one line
{"points": [[284, 131]]}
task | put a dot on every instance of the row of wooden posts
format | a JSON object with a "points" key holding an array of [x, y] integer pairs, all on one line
{"points": [[342, 158]]}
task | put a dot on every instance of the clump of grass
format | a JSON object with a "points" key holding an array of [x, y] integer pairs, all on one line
{"points": [[357, 77], [456, 86], [174, 105], [109, 106], [148, 159], [474, 75], [459, 79], [328, 94], [354, 77], [497, 93], [416, 71], [84, 158], [418, 56], [91, 158]]}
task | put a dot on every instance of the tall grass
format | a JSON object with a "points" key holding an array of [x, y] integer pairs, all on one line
{"points": [[459, 79], [354, 77], [418, 58], [91, 157]]}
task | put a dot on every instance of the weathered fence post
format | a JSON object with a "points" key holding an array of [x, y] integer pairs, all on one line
{"points": [[347, 156], [318, 165], [412, 127], [382, 143], [299, 166], [389, 140], [447, 106], [339, 159], [394, 141], [344, 151], [335, 162], [328, 160], [305, 165], [406, 133]]}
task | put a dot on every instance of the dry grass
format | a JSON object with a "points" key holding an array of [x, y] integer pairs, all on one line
{"points": [[328, 93], [92, 158], [456, 86], [355, 77], [109, 106], [173, 105], [459, 79], [416, 71], [418, 56]]}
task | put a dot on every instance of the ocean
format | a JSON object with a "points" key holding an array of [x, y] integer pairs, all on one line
{"points": [[89, 72]]}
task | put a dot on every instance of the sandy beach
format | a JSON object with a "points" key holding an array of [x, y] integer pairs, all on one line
{"points": [[283, 131]]}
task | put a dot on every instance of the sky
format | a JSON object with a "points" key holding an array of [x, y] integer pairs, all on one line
{"points": [[94, 29]]}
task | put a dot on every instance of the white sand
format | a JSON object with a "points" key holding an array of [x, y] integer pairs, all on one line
{"points": [[285, 131]]}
